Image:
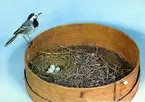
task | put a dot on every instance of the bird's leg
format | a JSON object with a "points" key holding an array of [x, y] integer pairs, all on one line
{"points": [[26, 39], [29, 37]]}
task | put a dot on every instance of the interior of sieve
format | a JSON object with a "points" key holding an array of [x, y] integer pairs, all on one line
{"points": [[90, 34]]}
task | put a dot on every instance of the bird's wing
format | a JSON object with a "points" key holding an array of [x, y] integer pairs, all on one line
{"points": [[24, 28]]}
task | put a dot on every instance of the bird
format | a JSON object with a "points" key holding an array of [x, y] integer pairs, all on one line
{"points": [[27, 28]]}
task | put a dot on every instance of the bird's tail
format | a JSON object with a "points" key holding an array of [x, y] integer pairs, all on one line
{"points": [[11, 39]]}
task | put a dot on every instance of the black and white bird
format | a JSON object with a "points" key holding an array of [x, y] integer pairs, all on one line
{"points": [[27, 28]]}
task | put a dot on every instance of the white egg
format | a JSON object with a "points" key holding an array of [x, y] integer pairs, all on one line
{"points": [[52, 67], [57, 69], [125, 82], [50, 70]]}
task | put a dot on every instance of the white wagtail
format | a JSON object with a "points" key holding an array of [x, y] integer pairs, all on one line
{"points": [[27, 28]]}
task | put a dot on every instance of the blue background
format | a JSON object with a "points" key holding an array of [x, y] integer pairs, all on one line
{"points": [[125, 15]]}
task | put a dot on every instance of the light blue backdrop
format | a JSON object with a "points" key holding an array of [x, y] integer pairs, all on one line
{"points": [[126, 15]]}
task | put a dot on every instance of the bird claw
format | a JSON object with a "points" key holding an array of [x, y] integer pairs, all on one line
{"points": [[29, 43]]}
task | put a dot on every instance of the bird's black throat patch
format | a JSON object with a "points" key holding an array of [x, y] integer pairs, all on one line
{"points": [[35, 23]]}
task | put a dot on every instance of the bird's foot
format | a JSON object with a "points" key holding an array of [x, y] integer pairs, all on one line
{"points": [[30, 43]]}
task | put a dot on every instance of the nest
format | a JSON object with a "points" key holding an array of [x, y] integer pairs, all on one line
{"points": [[82, 66]]}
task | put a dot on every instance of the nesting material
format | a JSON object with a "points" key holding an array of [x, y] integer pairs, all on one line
{"points": [[81, 66]]}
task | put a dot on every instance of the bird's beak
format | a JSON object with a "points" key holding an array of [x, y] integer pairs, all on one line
{"points": [[39, 14]]}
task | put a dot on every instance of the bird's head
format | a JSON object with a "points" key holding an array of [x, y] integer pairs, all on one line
{"points": [[33, 16]]}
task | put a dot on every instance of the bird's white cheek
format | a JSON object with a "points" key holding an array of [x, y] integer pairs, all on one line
{"points": [[32, 19]]}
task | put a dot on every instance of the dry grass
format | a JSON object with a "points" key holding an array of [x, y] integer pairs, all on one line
{"points": [[81, 66]]}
